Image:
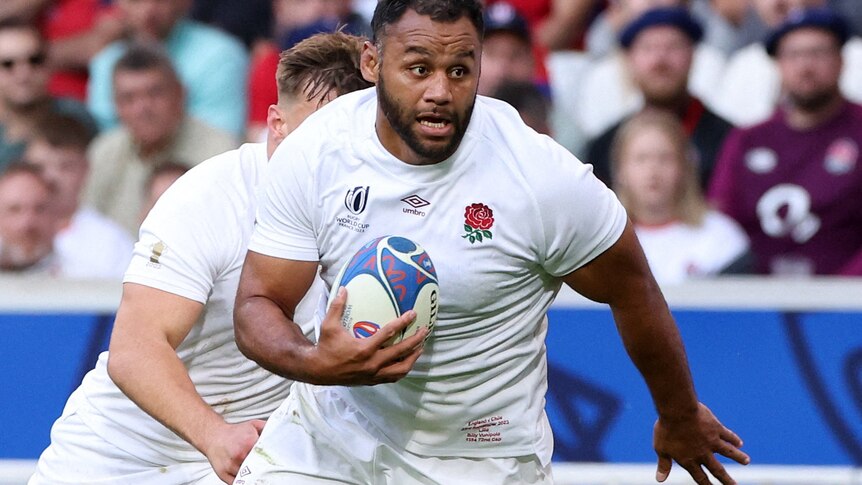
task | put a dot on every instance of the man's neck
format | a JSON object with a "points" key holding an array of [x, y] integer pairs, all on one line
{"points": [[21, 120], [677, 105], [803, 119]]}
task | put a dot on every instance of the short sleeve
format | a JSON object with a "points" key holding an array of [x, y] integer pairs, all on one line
{"points": [[581, 218], [186, 241], [284, 227]]}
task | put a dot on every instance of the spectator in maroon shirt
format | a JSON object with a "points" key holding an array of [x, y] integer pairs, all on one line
{"points": [[794, 182]]}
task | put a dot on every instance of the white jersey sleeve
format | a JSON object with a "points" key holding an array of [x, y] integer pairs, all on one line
{"points": [[283, 227], [580, 216], [180, 249]]}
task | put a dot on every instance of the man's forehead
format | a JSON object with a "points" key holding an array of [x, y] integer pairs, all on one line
{"points": [[413, 27]]}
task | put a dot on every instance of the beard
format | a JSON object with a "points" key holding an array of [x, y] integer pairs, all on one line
{"points": [[402, 122], [814, 101], [15, 258]]}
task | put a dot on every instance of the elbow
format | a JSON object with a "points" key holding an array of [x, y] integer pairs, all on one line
{"points": [[242, 331], [118, 366]]}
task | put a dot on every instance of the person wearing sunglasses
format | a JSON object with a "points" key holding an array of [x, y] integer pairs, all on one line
{"points": [[24, 98]]}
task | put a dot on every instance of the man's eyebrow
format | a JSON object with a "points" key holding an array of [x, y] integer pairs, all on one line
{"points": [[415, 49], [471, 53]]}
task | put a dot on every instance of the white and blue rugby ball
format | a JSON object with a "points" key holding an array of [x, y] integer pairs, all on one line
{"points": [[385, 278]]}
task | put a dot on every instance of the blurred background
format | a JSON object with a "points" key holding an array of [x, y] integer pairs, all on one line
{"points": [[730, 130]]}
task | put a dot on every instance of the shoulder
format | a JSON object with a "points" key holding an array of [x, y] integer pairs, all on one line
{"points": [[106, 57], [723, 233], [342, 125], [500, 127], [91, 222], [854, 110], [220, 188], [232, 168], [109, 143], [717, 221], [197, 136]]}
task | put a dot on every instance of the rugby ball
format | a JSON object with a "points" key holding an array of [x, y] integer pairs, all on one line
{"points": [[385, 278]]}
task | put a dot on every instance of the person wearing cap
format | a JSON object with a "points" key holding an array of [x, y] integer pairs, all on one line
{"points": [[658, 51], [508, 53], [794, 182], [608, 92], [750, 86]]}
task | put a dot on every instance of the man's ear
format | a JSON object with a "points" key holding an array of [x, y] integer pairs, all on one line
{"points": [[276, 124], [369, 62]]}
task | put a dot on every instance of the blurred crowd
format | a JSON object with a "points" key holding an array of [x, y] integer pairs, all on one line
{"points": [[729, 129]]}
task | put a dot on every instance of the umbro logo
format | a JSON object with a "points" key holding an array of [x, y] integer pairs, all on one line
{"points": [[415, 202]]}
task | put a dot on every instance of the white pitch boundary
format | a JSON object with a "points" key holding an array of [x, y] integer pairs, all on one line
{"points": [[644, 474], [16, 472], [25, 295]]}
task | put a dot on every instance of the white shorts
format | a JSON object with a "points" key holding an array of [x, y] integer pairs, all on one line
{"points": [[77, 455], [299, 446]]}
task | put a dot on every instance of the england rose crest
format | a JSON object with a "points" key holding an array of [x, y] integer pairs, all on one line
{"points": [[478, 218]]}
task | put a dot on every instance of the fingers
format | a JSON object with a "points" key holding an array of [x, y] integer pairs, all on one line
{"points": [[664, 466], [735, 454], [718, 471], [697, 473], [391, 329], [730, 448], [398, 360], [731, 437], [336, 309]]}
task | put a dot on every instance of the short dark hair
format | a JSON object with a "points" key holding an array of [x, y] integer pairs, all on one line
{"points": [[321, 64], [389, 12], [144, 57], [64, 131]]}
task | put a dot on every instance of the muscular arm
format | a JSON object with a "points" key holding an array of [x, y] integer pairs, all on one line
{"points": [[142, 361], [686, 431], [269, 290]]}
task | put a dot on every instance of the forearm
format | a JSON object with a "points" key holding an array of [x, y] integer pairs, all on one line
{"points": [[151, 374], [267, 336], [654, 345]]}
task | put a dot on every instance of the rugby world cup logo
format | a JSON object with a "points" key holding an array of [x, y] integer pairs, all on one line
{"points": [[356, 199]]}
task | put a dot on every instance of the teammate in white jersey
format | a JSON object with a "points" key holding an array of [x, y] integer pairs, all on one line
{"points": [[507, 215], [195, 404]]}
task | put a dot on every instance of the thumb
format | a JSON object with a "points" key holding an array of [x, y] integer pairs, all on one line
{"points": [[663, 470]]}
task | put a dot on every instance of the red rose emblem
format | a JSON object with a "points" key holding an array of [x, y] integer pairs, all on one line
{"points": [[479, 216]]}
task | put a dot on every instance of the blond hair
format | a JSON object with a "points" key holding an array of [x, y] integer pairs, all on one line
{"points": [[689, 203], [321, 64]]}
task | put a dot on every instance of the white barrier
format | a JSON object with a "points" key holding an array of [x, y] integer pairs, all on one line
{"points": [[745, 292], [16, 473]]}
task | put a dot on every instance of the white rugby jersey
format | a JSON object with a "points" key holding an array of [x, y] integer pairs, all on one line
{"points": [[678, 251], [501, 219], [193, 244]]}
